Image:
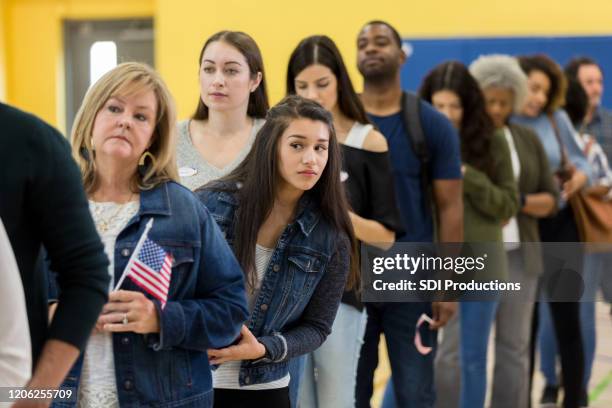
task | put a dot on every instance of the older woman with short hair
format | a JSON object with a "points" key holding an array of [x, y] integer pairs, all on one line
{"points": [[149, 346], [504, 86]]}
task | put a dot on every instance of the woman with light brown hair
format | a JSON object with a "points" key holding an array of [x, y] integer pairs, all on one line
{"points": [[192, 297]]}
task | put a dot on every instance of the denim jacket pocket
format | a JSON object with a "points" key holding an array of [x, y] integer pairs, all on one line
{"points": [[304, 268], [172, 370], [184, 256]]}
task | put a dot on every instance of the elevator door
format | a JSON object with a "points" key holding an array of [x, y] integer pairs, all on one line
{"points": [[94, 47]]}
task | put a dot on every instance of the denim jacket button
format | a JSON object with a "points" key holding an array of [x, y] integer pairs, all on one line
{"points": [[128, 385], [264, 307], [125, 252], [125, 341], [276, 268]]}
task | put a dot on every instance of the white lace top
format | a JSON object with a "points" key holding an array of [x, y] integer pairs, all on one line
{"points": [[98, 387]]}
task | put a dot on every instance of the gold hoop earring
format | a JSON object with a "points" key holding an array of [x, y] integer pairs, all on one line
{"points": [[144, 156]]}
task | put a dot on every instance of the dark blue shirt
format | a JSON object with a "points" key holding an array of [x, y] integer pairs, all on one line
{"points": [[445, 163]]}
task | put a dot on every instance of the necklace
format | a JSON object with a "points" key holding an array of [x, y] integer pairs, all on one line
{"points": [[103, 224]]}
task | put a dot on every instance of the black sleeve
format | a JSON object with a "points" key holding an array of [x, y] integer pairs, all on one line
{"points": [[57, 201], [381, 191]]}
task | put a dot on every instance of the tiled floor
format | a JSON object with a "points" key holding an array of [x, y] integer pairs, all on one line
{"points": [[600, 388]]}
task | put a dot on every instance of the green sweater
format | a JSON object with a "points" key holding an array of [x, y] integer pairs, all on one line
{"points": [[488, 202], [535, 177]]}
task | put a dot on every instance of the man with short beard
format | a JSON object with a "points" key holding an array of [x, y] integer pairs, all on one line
{"points": [[380, 57]]}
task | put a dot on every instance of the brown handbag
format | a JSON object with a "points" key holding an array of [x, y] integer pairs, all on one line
{"points": [[593, 214], [593, 217]]}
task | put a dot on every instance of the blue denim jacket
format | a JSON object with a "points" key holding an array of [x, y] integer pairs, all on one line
{"points": [[206, 305], [301, 290]]}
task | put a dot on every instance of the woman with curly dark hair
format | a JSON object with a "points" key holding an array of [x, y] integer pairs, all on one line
{"points": [[490, 198], [546, 92]]}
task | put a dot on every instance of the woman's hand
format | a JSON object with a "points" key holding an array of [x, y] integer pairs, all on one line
{"points": [[574, 184], [128, 311], [248, 348], [598, 191]]}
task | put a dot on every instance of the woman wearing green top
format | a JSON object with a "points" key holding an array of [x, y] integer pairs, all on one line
{"points": [[504, 85], [490, 199]]}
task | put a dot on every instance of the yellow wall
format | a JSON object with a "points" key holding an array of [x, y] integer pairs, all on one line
{"points": [[35, 73], [278, 25], [2, 51], [33, 33]]}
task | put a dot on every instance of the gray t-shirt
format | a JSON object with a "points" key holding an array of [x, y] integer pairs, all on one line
{"points": [[194, 170]]}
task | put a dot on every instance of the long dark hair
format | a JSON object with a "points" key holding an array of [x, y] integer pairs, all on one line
{"points": [[258, 100], [320, 49], [576, 101], [258, 177], [476, 125]]}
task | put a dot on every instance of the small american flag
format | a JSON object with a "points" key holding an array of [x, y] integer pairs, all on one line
{"points": [[151, 269]]}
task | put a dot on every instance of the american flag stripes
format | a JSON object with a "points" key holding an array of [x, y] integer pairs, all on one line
{"points": [[151, 270]]}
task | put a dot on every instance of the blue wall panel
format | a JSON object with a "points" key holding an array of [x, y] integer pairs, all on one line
{"points": [[427, 53]]}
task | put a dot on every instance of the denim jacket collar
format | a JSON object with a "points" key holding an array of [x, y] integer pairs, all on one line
{"points": [[155, 201], [307, 213], [307, 217]]}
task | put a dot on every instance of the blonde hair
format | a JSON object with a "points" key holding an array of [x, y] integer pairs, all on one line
{"points": [[128, 79]]}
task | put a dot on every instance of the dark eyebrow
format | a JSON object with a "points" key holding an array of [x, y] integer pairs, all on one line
{"points": [[304, 137], [316, 80], [382, 37], [228, 62]]}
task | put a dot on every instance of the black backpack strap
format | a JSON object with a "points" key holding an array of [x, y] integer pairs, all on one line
{"points": [[412, 123]]}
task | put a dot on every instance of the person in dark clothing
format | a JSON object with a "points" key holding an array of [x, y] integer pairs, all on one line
{"points": [[42, 203], [379, 60]]}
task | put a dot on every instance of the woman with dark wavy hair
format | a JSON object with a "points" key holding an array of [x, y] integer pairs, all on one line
{"points": [[490, 199], [285, 214], [316, 71], [542, 112]]}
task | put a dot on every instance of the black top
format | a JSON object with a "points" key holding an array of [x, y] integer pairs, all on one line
{"points": [[371, 193], [42, 202]]}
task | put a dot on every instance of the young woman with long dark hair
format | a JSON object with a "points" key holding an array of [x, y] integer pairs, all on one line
{"points": [[231, 109], [285, 214], [316, 71], [490, 198]]}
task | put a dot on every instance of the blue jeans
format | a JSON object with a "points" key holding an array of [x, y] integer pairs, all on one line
{"points": [[476, 321], [330, 371], [412, 372], [296, 371], [593, 264]]}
